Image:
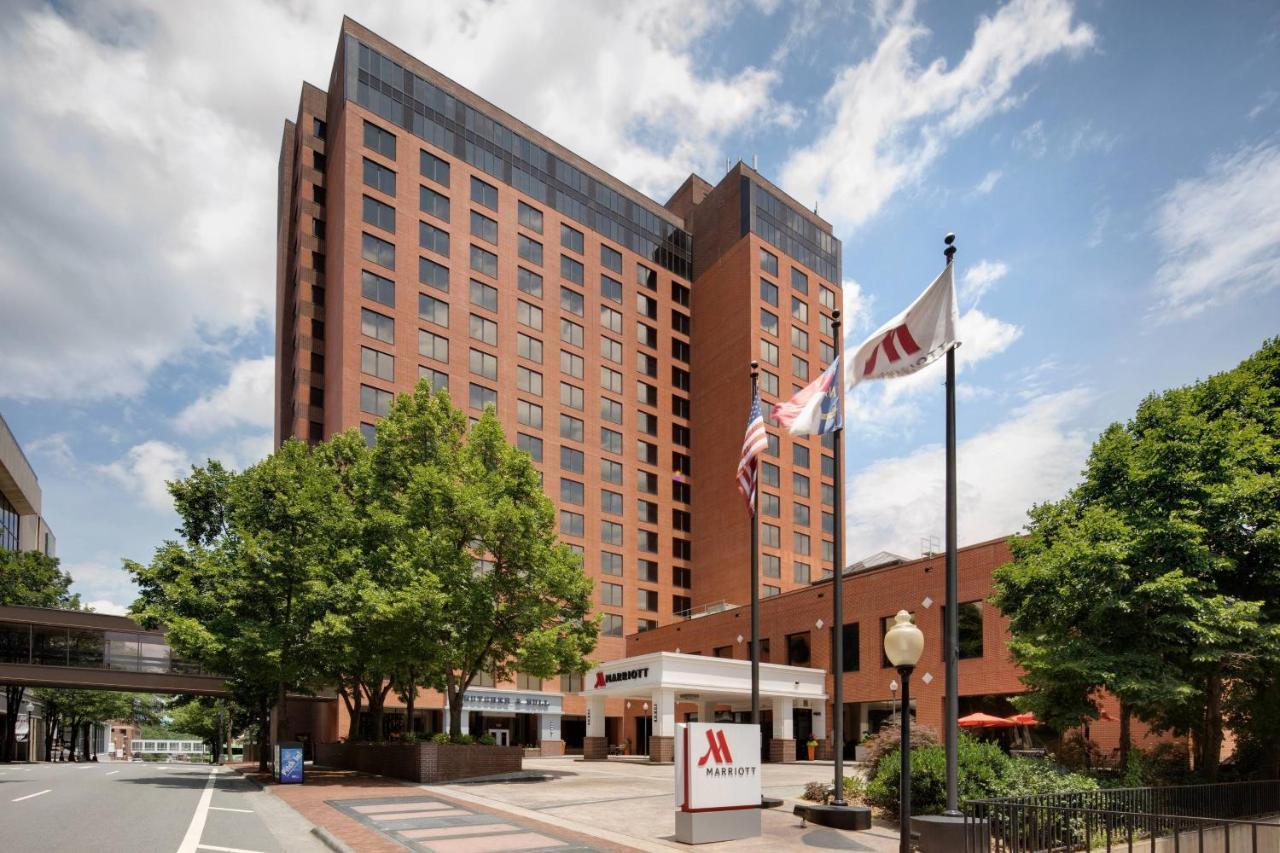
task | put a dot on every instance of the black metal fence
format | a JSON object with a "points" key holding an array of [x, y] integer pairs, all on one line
{"points": [[1233, 816]]}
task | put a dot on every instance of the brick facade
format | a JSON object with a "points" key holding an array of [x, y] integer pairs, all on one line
{"points": [[422, 762]]}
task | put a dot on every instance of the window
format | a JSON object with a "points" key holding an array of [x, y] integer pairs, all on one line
{"points": [[571, 523], [526, 314], [647, 336], [484, 364], [647, 511], [571, 301], [679, 350], [647, 541], [768, 322], [826, 352], [679, 322], [679, 294], [680, 435], [433, 274], [528, 682], [484, 227], [771, 535], [377, 288], [828, 466], [611, 533], [798, 649], [571, 396], [611, 349], [529, 414], [439, 381], [681, 492], [379, 215], [610, 380], [799, 339], [769, 292], [484, 262], [610, 563], [531, 251], [681, 520], [529, 380], [481, 396], [771, 565], [799, 368], [769, 505], [646, 452], [800, 514], [433, 203], [610, 502], [681, 605], [530, 444], [570, 364], [376, 363], [377, 326], [680, 378], [377, 251], [379, 177], [375, 401], [769, 352], [646, 482], [611, 472], [610, 289], [570, 269], [433, 239], [528, 347], [611, 625], [484, 330], [647, 307], [827, 325], [769, 383], [799, 281], [611, 442], [800, 543], [647, 599], [570, 428], [529, 282], [610, 410], [611, 259], [433, 168], [610, 319], [369, 433], [571, 683], [771, 444], [646, 393], [646, 277], [317, 130], [571, 333], [800, 572], [799, 309], [849, 646], [571, 492], [769, 474], [646, 364], [826, 297], [681, 577], [969, 630], [485, 194], [768, 262], [571, 238], [529, 217]]}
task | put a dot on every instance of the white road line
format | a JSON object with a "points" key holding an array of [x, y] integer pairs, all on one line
{"points": [[112, 772], [191, 841], [227, 849], [29, 796], [226, 809]]}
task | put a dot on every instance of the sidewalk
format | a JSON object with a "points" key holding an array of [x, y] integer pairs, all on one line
{"points": [[381, 815]]}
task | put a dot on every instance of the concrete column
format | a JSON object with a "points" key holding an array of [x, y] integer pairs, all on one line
{"points": [[782, 746], [662, 742], [549, 740], [820, 720], [707, 711], [595, 746]]}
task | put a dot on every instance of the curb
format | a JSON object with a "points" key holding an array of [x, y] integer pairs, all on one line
{"points": [[330, 840]]}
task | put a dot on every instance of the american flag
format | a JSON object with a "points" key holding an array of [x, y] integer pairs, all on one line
{"points": [[753, 444]]}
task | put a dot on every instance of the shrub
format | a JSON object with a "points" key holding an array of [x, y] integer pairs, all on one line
{"points": [[887, 740], [980, 766], [816, 792], [487, 740], [1026, 776], [855, 791], [409, 737], [440, 737], [464, 739]]}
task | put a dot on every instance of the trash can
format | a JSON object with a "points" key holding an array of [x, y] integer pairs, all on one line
{"points": [[289, 763]]}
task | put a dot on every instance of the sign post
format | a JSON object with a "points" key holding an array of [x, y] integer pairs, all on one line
{"points": [[717, 782]]}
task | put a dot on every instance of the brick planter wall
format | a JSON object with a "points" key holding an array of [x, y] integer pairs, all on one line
{"points": [[421, 762]]}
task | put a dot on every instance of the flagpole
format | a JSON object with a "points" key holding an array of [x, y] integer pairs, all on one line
{"points": [[837, 581], [755, 572], [951, 639]]}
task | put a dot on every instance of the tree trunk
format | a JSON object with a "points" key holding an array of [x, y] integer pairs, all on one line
{"points": [[1212, 729], [1126, 740], [85, 737], [9, 740], [354, 707], [376, 697], [410, 696], [281, 733], [456, 694], [264, 727]]}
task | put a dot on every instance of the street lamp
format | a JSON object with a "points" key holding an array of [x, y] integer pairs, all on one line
{"points": [[903, 644]]}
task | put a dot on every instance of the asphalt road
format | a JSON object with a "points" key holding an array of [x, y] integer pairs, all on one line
{"points": [[123, 807]]}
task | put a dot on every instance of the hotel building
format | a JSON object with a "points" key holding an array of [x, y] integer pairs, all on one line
{"points": [[424, 233]]}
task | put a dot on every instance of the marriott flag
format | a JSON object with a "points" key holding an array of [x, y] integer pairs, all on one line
{"points": [[912, 340]]}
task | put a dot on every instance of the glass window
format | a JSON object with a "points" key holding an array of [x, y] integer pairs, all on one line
{"points": [[611, 533], [799, 368], [800, 485], [530, 444], [799, 339], [433, 274], [769, 352], [379, 177], [646, 482], [769, 292], [611, 625], [611, 258], [572, 460], [375, 401], [530, 250], [485, 194], [529, 217], [799, 281], [528, 347], [800, 572], [571, 396], [646, 393], [611, 410], [800, 543], [768, 383], [433, 239], [771, 565], [770, 535], [484, 227], [647, 335], [826, 298], [570, 364], [769, 505], [529, 282], [433, 168], [571, 491], [646, 306], [484, 296], [433, 310], [798, 649], [378, 251], [572, 301], [377, 326], [611, 349], [571, 238], [681, 577], [480, 396], [768, 262], [800, 455], [433, 346], [611, 289], [969, 630], [571, 333], [377, 288], [610, 471], [379, 215], [800, 514], [610, 380], [610, 563], [379, 140], [570, 269], [529, 380], [528, 315], [799, 309], [768, 321], [571, 523], [484, 364], [484, 330], [439, 381], [376, 363], [433, 203], [484, 262], [610, 502], [646, 277], [647, 541], [529, 414], [570, 428]]}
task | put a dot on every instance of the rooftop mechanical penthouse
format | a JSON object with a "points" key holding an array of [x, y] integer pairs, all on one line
{"points": [[424, 233]]}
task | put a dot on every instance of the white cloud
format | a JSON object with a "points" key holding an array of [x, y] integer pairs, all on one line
{"points": [[892, 117], [101, 584], [246, 400], [980, 278], [1034, 456], [144, 470], [1265, 101], [988, 182], [102, 605], [56, 447], [137, 222], [855, 313], [1031, 139], [1220, 233], [1088, 140], [1098, 228]]}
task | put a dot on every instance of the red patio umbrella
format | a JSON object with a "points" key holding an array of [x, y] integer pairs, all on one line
{"points": [[1024, 719], [984, 721]]}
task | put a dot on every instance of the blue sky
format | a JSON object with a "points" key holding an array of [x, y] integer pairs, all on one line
{"points": [[1112, 171]]}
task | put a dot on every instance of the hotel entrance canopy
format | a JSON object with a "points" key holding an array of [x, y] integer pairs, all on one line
{"points": [[664, 678]]}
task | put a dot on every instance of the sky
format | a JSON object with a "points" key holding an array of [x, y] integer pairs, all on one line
{"points": [[1111, 170]]}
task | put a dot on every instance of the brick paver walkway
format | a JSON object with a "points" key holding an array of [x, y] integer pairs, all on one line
{"points": [[379, 815]]}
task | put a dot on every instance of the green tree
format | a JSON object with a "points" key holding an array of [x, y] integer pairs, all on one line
{"points": [[28, 579], [1158, 577]]}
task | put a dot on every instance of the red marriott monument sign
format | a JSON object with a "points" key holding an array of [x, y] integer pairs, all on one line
{"points": [[718, 778]]}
